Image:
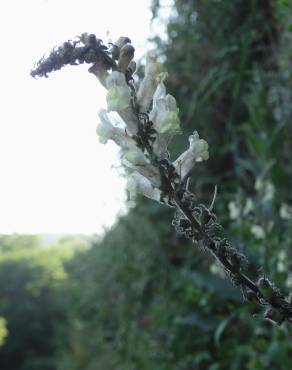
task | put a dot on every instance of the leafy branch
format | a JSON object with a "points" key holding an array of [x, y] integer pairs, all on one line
{"points": [[151, 119]]}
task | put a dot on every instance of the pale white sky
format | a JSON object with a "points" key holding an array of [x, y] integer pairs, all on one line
{"points": [[55, 176]]}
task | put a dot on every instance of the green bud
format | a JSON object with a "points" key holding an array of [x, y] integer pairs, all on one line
{"points": [[266, 288], [122, 41], [115, 52]]}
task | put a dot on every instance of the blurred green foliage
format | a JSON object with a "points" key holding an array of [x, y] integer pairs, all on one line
{"points": [[3, 330], [144, 298], [31, 300]]}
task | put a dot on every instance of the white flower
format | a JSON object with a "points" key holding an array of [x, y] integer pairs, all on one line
{"points": [[107, 131], [197, 152], [258, 184], [269, 192], [281, 267], [131, 187], [137, 183], [266, 188], [164, 113], [118, 99], [234, 210], [249, 206], [282, 256], [286, 212], [133, 159], [118, 96], [258, 232], [104, 129], [153, 75]]}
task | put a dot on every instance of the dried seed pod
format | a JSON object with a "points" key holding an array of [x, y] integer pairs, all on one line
{"points": [[275, 316], [252, 297]]}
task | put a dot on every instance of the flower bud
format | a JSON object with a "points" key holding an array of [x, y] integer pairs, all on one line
{"points": [[126, 55], [153, 75], [115, 51], [122, 41], [258, 232], [104, 133], [134, 160]]}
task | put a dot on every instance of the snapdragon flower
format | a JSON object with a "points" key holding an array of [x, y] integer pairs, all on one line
{"points": [[164, 113], [139, 184], [135, 161], [118, 99], [118, 96], [154, 73], [197, 152], [107, 131]]}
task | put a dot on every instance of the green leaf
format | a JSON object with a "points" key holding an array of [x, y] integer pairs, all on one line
{"points": [[219, 331]]}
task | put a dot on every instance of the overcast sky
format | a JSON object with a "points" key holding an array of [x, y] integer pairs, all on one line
{"points": [[55, 176]]}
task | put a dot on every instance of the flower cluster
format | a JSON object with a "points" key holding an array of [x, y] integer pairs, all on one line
{"points": [[149, 118], [148, 109]]}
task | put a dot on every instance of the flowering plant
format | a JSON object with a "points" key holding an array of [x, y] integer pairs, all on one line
{"points": [[150, 119]]}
